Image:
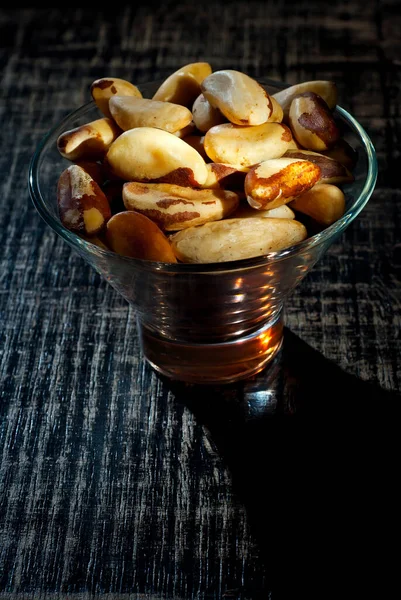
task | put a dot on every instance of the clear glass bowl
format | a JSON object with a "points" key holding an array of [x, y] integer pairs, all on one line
{"points": [[211, 323]]}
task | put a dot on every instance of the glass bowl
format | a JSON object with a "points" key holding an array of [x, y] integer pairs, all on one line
{"points": [[204, 323]]}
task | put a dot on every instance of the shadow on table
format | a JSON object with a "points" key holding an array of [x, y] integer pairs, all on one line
{"points": [[314, 456]]}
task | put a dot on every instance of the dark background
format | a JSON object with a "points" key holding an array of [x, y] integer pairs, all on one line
{"points": [[114, 482]]}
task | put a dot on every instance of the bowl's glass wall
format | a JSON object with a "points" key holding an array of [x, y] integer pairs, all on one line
{"points": [[203, 303]]}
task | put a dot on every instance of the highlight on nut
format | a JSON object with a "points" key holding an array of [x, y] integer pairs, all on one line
{"points": [[211, 168]]}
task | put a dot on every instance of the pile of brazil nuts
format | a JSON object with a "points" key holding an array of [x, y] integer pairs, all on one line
{"points": [[212, 168]]}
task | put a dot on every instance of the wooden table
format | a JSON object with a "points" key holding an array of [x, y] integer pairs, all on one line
{"points": [[119, 484]]}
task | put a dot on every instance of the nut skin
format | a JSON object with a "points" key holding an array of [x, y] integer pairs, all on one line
{"points": [[106, 87], [312, 122], [147, 154], [236, 239], [240, 98], [325, 203], [175, 207], [275, 182], [246, 146], [82, 205], [323, 88], [89, 142], [129, 112], [332, 171], [205, 115], [183, 86], [132, 234]]}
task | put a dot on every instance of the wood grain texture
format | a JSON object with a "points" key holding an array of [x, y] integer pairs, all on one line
{"points": [[114, 482]]}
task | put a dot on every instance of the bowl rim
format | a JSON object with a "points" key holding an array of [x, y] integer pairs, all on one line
{"points": [[80, 244]]}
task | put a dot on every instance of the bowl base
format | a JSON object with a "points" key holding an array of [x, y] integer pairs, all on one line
{"points": [[218, 363]]}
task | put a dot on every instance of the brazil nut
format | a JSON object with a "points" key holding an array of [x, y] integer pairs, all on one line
{"points": [[183, 86], [323, 88], [150, 154], [132, 234], [312, 122], [246, 146], [106, 87], [88, 142], [174, 207], [236, 239], [241, 99], [325, 203], [332, 171], [205, 115], [130, 112], [275, 182], [82, 205]]}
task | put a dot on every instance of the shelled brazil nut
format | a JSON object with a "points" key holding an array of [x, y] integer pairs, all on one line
{"points": [[211, 168]]}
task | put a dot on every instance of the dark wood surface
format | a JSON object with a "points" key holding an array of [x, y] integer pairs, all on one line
{"points": [[115, 482]]}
